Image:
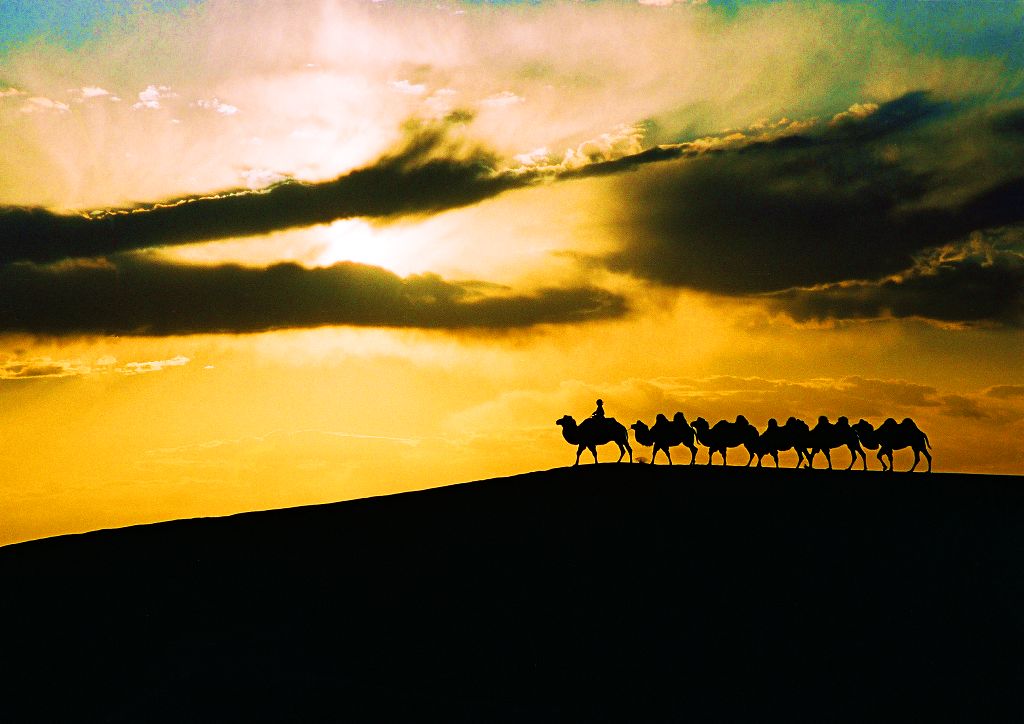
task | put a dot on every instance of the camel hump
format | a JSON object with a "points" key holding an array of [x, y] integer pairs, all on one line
{"points": [[910, 424], [600, 423], [741, 420]]}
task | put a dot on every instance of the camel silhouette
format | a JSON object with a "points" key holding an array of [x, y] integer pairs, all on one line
{"points": [[595, 431], [826, 436], [666, 434], [892, 435], [725, 435], [775, 439]]}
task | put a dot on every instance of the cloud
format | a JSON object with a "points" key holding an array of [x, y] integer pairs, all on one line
{"points": [[17, 368], [143, 296], [966, 283], [854, 200], [37, 104], [93, 91], [961, 406], [217, 106], [1005, 392], [152, 96], [428, 173], [856, 112], [141, 368], [502, 100], [408, 87]]}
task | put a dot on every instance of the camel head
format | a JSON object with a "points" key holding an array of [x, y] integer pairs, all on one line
{"points": [[843, 422], [638, 425], [566, 421], [700, 424]]}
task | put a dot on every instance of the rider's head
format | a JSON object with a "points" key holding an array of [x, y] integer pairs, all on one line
{"points": [[600, 403]]}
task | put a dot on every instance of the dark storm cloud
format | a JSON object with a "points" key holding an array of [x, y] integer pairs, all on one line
{"points": [[979, 286], [426, 175], [854, 200], [140, 295]]}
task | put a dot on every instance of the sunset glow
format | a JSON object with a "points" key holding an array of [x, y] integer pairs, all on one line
{"points": [[256, 255]]}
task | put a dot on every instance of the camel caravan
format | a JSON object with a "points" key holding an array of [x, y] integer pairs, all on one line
{"points": [[795, 435]]}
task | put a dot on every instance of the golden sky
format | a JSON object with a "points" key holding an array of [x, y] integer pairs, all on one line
{"points": [[264, 255]]}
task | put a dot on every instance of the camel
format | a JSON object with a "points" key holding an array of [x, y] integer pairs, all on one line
{"points": [[725, 435], [595, 431], [825, 436], [892, 435], [775, 439], [666, 434]]}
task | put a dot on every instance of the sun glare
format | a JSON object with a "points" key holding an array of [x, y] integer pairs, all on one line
{"points": [[358, 241]]}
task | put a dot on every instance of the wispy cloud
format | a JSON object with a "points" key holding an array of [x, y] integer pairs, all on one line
{"points": [[39, 104], [15, 367]]}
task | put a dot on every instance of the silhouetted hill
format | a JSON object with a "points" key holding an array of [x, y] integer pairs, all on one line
{"points": [[611, 592]]}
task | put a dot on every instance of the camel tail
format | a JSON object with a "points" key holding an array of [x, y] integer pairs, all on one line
{"points": [[926, 442]]}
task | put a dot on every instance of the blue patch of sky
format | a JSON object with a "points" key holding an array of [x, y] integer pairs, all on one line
{"points": [[978, 28], [70, 23], [990, 28]]}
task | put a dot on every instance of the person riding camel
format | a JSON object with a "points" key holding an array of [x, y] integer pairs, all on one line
{"points": [[599, 412]]}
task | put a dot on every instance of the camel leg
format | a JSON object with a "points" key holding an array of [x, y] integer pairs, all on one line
{"points": [[810, 458], [882, 460], [917, 459], [751, 458], [724, 459], [579, 451], [863, 457], [593, 451], [693, 454], [828, 456], [892, 465], [775, 457], [629, 450], [853, 459], [622, 453], [655, 455], [928, 456], [668, 454]]}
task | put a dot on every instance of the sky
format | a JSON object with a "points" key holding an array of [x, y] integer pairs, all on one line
{"points": [[262, 255]]}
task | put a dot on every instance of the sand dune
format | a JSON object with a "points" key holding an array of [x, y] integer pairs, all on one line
{"points": [[610, 592]]}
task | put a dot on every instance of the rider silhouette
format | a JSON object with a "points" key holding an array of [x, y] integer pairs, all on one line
{"points": [[599, 412]]}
